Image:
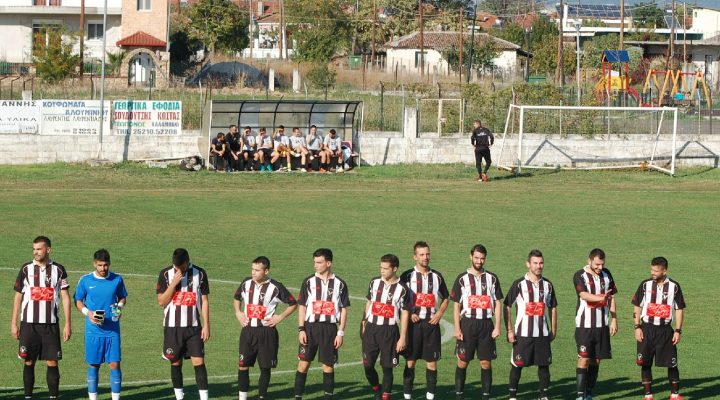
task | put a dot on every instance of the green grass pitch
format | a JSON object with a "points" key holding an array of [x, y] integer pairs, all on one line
{"points": [[225, 221]]}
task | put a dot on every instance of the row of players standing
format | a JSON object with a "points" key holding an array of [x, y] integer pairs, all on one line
{"points": [[247, 152], [401, 317]]}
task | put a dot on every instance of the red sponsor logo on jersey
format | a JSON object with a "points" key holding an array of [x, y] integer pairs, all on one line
{"points": [[256, 311], [188, 299], [382, 310], [658, 310], [535, 309], [482, 302], [597, 304], [42, 293], [323, 308], [425, 300]]}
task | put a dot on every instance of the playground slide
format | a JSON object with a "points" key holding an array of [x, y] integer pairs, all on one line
{"points": [[636, 96]]}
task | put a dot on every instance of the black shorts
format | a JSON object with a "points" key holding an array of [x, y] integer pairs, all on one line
{"points": [[482, 152], [527, 351], [423, 341], [250, 153], [657, 344], [477, 339], [380, 340], [593, 343], [39, 341], [259, 343], [266, 152], [183, 342], [320, 339]]}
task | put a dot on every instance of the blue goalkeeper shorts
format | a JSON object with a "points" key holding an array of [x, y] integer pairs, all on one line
{"points": [[100, 350]]}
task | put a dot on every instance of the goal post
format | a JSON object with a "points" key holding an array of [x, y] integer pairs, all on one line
{"points": [[588, 138]]}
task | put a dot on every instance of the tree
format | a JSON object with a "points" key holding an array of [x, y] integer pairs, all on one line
{"points": [[53, 54], [321, 29], [484, 54], [114, 61], [592, 51], [219, 24], [647, 15], [545, 59]]}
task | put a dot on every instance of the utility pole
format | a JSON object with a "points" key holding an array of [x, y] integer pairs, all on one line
{"points": [[422, 42], [672, 32], [282, 28], [684, 33], [472, 44], [372, 43], [81, 67], [559, 74], [622, 25], [461, 33]]}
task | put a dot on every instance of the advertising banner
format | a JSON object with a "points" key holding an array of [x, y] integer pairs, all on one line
{"points": [[19, 116], [131, 117], [73, 117]]}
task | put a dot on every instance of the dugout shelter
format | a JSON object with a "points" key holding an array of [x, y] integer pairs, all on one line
{"points": [[270, 114]]}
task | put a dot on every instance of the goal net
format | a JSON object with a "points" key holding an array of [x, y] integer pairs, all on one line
{"points": [[574, 137]]}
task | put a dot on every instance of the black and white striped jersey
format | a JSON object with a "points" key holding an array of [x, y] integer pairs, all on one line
{"points": [[184, 309], [323, 299], [534, 302], [658, 301], [476, 294], [259, 300], [40, 288], [428, 291], [386, 302], [593, 314]]}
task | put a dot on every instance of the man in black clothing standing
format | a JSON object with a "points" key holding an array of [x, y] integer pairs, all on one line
{"points": [[481, 140]]}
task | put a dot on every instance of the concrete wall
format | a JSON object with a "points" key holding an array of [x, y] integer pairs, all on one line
{"points": [[375, 148], [381, 148], [35, 149]]}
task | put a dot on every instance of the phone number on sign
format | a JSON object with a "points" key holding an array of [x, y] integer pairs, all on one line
{"points": [[141, 131]]}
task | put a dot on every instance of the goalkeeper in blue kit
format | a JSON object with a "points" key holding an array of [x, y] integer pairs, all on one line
{"points": [[100, 296]]}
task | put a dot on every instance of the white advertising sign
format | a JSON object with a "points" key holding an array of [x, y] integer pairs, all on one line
{"points": [[19, 116], [147, 117], [73, 117]]}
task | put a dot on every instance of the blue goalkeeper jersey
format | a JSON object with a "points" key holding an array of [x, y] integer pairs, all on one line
{"points": [[99, 294]]}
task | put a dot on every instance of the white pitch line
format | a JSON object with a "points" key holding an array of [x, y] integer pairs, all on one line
{"points": [[446, 337]]}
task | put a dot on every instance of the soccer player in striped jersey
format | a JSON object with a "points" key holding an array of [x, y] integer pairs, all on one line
{"points": [[430, 300], [654, 303], [38, 287], [477, 296], [100, 295], [322, 315], [256, 301], [595, 320], [387, 306], [183, 291], [534, 298]]}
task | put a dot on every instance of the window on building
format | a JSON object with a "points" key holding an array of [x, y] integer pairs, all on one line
{"points": [[144, 4], [56, 3], [45, 34], [417, 59], [95, 31]]}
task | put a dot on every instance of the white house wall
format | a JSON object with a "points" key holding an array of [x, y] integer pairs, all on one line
{"points": [[16, 32], [65, 3], [16, 46], [706, 21], [404, 59]]}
